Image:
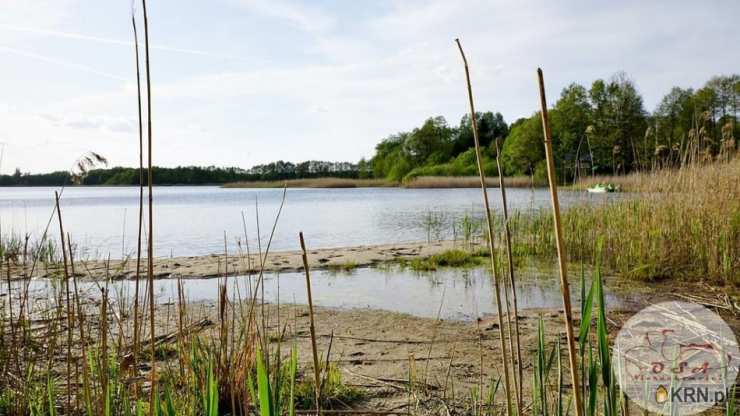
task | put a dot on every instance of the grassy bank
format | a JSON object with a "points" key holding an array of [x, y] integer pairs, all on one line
{"points": [[313, 183]]}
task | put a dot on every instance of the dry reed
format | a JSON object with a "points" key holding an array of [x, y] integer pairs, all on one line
{"points": [[512, 283], [562, 256], [137, 322], [150, 245], [491, 235], [470, 182]]}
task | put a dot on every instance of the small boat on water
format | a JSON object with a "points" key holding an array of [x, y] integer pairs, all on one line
{"points": [[602, 188]]}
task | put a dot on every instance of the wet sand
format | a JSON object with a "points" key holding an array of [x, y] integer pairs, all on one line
{"points": [[215, 265], [377, 351]]}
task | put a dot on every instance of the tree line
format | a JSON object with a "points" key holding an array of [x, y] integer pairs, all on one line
{"points": [[186, 175], [603, 129]]}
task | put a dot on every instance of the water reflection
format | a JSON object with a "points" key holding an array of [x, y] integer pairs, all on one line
{"points": [[464, 294]]}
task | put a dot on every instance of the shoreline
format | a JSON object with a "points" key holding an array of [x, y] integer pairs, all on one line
{"points": [[418, 182]]}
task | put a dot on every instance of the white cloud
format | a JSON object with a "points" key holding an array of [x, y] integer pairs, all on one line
{"points": [[38, 13], [295, 13], [61, 63], [387, 72], [112, 124]]}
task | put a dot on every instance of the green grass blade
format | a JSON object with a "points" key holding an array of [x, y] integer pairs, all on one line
{"points": [[592, 383], [50, 396], [586, 311], [212, 409], [730, 407], [293, 370], [263, 387], [169, 403]]}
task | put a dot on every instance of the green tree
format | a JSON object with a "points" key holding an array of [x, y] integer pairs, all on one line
{"points": [[364, 169], [569, 119], [430, 143], [523, 149], [717, 107], [490, 127], [619, 121], [672, 120], [388, 154]]}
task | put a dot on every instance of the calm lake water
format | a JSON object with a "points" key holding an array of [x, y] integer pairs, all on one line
{"points": [[193, 220], [463, 293]]}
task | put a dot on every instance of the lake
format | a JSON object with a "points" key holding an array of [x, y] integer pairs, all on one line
{"points": [[191, 220]]}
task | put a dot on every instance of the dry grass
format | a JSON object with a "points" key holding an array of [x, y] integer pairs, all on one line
{"points": [[314, 183], [432, 182], [634, 182], [687, 224], [690, 178]]}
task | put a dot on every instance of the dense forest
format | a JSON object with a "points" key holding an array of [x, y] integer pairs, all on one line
{"points": [[603, 129], [187, 175]]}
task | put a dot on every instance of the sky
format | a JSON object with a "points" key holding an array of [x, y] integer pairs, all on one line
{"points": [[244, 82]]}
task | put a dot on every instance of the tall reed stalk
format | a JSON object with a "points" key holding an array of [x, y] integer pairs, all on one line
{"points": [[494, 265], [512, 282], [316, 367], [150, 246], [87, 395], [137, 322], [69, 313], [562, 259]]}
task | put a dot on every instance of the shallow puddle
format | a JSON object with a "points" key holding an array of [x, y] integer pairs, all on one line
{"points": [[455, 293]]}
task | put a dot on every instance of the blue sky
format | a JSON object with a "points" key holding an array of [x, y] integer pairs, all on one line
{"points": [[242, 82]]}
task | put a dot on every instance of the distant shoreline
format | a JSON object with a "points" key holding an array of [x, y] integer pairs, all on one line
{"points": [[421, 182], [327, 182]]}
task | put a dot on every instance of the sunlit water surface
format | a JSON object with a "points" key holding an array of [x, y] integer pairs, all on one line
{"points": [[192, 220]]}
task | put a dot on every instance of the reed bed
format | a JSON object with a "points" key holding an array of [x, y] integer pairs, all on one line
{"points": [[689, 178], [685, 225], [470, 182], [314, 183]]}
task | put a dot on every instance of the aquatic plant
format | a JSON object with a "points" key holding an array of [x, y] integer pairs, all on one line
{"points": [[447, 258]]}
